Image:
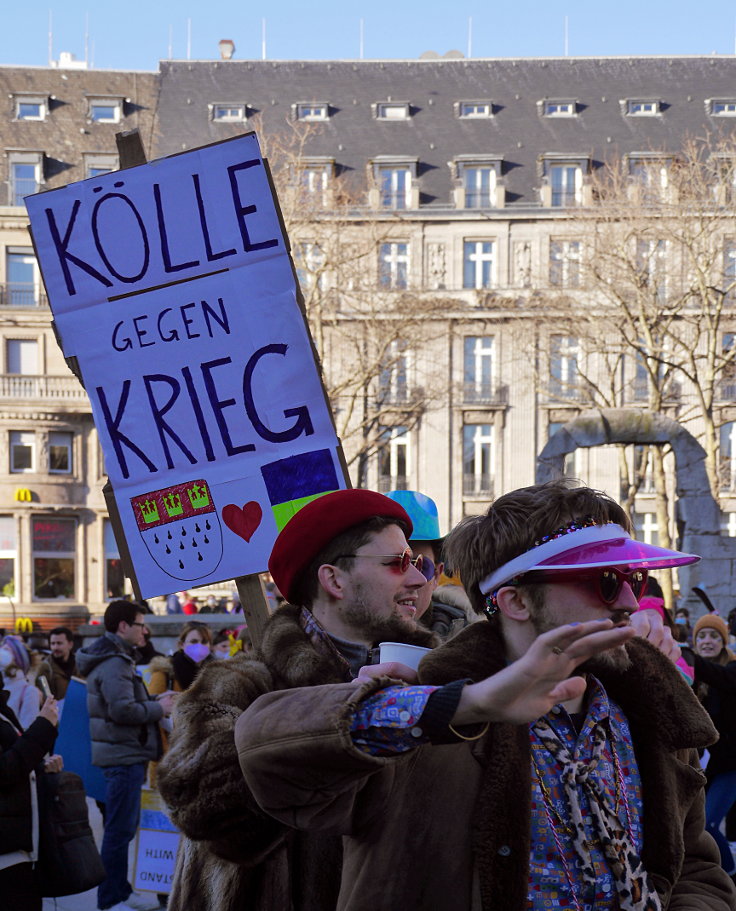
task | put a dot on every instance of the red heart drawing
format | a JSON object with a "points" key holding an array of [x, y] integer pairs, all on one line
{"points": [[245, 521]]}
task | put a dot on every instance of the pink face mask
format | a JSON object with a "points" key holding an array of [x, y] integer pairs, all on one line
{"points": [[197, 651]]}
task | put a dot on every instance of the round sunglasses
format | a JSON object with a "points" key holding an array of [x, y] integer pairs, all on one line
{"points": [[608, 580], [401, 562]]}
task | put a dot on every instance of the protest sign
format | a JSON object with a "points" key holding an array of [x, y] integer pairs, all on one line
{"points": [[172, 285], [157, 840]]}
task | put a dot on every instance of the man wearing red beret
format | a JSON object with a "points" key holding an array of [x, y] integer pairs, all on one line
{"points": [[344, 566]]}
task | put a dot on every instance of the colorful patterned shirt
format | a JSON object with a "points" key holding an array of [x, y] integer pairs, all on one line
{"points": [[387, 722], [548, 881]]}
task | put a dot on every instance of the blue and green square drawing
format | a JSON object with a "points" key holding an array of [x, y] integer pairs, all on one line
{"points": [[293, 482]]}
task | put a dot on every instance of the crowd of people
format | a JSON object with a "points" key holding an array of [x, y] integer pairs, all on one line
{"points": [[546, 752]]}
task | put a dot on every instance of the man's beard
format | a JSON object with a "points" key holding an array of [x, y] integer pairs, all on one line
{"points": [[378, 628], [614, 659]]}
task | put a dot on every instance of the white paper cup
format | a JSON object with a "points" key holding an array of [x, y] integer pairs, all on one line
{"points": [[410, 655]]}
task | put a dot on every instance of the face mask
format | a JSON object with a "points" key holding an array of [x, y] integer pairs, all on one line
{"points": [[223, 655], [197, 651], [6, 659], [681, 621]]}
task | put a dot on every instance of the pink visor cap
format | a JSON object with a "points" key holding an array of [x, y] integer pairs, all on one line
{"points": [[586, 548]]}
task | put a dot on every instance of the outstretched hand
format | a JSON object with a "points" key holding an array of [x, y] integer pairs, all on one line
{"points": [[531, 685], [650, 625]]}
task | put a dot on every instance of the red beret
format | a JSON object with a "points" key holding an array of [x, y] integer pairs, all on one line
{"points": [[316, 524]]}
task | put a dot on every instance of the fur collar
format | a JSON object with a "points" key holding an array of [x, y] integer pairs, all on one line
{"points": [[289, 654]]}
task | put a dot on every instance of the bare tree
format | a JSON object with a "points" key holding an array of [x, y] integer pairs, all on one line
{"points": [[354, 271]]}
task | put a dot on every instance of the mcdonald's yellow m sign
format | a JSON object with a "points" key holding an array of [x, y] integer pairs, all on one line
{"points": [[23, 495], [24, 625]]}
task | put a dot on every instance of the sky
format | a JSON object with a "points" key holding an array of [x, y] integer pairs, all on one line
{"points": [[147, 32]]}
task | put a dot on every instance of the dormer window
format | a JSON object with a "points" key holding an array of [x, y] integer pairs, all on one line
{"points": [[637, 107], [476, 181], [394, 183], [392, 110], [559, 108], [229, 113], [30, 107], [721, 107], [563, 180], [105, 109], [311, 111], [474, 110]]}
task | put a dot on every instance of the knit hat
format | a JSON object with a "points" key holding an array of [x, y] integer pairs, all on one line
{"points": [[712, 621], [21, 658], [316, 524]]}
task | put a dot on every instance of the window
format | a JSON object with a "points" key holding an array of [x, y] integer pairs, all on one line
{"points": [[480, 187], [479, 264], [393, 380], [646, 528], [728, 524], [28, 107], [651, 263], [22, 289], [310, 264], [228, 113], [54, 550], [723, 108], [649, 174], [105, 110], [393, 265], [641, 378], [394, 184], [475, 109], [478, 460], [559, 108], [564, 263], [571, 464], [313, 111], [392, 110], [563, 367], [8, 554], [60, 452], [642, 108], [114, 576], [21, 356], [729, 265], [565, 182], [642, 468], [22, 451], [97, 164], [727, 456], [478, 363], [25, 176], [393, 459]]}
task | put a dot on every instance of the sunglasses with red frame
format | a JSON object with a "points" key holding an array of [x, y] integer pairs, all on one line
{"points": [[608, 580]]}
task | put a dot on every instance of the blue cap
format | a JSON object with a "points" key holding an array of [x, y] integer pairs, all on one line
{"points": [[422, 511]]}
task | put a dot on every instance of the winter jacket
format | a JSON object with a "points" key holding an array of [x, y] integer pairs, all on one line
{"points": [[720, 704], [19, 757], [447, 828], [57, 675], [122, 716], [235, 857], [449, 611]]}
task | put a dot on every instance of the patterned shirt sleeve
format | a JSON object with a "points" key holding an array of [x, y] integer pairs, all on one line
{"points": [[387, 722]]}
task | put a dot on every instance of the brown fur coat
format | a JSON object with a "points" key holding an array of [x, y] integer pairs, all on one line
{"points": [[233, 856]]}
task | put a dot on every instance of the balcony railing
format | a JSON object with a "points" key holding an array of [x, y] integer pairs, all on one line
{"points": [[485, 394], [17, 387], [477, 485], [19, 294]]}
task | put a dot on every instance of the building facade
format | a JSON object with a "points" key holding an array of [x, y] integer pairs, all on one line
{"points": [[442, 224]]}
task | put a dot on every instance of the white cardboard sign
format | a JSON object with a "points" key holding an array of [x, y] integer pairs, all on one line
{"points": [[173, 286]]}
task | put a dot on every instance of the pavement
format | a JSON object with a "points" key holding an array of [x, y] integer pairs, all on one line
{"points": [[87, 901]]}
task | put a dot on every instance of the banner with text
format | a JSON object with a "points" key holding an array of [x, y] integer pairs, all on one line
{"points": [[172, 285]]}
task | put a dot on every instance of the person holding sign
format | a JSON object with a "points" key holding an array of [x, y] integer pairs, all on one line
{"points": [[345, 567], [516, 776], [124, 732]]}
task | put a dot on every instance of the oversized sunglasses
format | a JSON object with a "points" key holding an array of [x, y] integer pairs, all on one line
{"points": [[608, 580], [401, 562]]}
